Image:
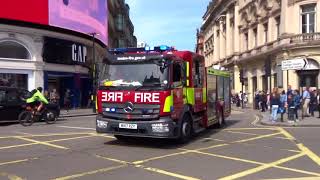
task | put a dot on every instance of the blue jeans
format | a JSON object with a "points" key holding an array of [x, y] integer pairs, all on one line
{"points": [[274, 112]]}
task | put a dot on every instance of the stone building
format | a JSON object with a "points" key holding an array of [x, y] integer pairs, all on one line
{"points": [[120, 27], [252, 35]]}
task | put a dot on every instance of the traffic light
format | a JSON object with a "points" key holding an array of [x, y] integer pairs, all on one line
{"points": [[241, 76]]}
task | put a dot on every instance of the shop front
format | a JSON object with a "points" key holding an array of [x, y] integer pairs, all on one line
{"points": [[66, 70]]}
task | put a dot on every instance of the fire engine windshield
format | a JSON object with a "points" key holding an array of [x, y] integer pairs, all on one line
{"points": [[134, 75]]}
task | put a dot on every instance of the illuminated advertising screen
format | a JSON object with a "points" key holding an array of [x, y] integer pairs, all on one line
{"points": [[34, 11], [86, 16]]}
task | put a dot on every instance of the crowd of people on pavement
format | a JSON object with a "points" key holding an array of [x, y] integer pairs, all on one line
{"points": [[281, 102]]}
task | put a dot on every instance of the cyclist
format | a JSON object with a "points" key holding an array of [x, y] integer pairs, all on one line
{"points": [[37, 99]]}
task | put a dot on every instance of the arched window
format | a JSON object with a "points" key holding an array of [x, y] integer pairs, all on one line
{"points": [[13, 50]]}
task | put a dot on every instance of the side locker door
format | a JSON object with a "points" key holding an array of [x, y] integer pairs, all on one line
{"points": [[211, 98], [177, 90]]}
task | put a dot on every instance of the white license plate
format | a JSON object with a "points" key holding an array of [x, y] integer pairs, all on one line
{"points": [[128, 126]]}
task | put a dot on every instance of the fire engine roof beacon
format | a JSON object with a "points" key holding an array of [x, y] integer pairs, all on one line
{"points": [[159, 92]]}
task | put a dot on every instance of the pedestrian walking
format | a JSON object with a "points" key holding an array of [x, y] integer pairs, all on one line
{"points": [[297, 102], [54, 96], [313, 102], [256, 100], [283, 104], [305, 102], [274, 103], [67, 100]]}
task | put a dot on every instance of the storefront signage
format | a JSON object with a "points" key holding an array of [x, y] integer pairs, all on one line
{"points": [[60, 51], [294, 64], [79, 53]]}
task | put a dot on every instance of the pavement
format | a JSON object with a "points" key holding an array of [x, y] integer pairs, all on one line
{"points": [[71, 149], [305, 122], [76, 112]]}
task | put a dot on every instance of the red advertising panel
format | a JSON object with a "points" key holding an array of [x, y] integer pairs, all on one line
{"points": [[34, 11]]}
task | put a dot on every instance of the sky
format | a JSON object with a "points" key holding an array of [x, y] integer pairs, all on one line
{"points": [[167, 22]]}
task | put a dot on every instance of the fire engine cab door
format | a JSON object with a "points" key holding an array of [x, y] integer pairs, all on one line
{"points": [[177, 90]]}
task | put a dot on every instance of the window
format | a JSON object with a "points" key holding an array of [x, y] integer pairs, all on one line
{"points": [[119, 22], [265, 28], [246, 45], [278, 26], [12, 96], [255, 37], [14, 50], [198, 74], [14, 80], [176, 73], [308, 14]]}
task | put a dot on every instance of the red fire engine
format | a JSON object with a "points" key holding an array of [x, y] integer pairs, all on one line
{"points": [[160, 93]]}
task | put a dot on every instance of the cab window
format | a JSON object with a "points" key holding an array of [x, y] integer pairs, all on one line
{"points": [[177, 73]]}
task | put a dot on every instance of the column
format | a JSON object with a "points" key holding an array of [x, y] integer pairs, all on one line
{"points": [[222, 41], [260, 34], [270, 29], [249, 92], [216, 43], [236, 35], [237, 83], [259, 79], [228, 35]]}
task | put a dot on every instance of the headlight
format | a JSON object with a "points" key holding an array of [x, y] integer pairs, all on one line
{"points": [[102, 124], [159, 127]]}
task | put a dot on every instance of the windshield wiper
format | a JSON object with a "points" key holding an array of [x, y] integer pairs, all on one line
{"points": [[149, 86]]}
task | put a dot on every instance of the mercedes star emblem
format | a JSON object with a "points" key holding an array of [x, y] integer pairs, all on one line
{"points": [[128, 107]]}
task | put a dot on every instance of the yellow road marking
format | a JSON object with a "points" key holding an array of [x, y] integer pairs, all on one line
{"points": [[220, 140], [286, 133], [15, 146], [102, 135], [66, 139], [301, 178], [57, 134], [166, 173], [255, 162], [258, 137], [41, 142], [302, 147], [16, 161], [114, 160], [262, 167], [160, 157], [90, 172], [309, 153], [10, 176], [265, 128], [253, 134]]}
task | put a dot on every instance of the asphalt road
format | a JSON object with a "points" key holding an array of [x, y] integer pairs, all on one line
{"points": [[71, 149]]}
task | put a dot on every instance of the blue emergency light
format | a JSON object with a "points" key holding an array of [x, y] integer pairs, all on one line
{"points": [[147, 49]]}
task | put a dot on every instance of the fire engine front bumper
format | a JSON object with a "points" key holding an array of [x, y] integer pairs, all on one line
{"points": [[165, 127]]}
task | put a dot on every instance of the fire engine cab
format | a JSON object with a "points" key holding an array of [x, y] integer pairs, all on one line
{"points": [[159, 93]]}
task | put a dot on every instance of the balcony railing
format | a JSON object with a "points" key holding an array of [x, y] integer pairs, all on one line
{"points": [[307, 37]]}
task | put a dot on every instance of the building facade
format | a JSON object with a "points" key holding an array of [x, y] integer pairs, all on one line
{"points": [[121, 29], [254, 36], [36, 54]]}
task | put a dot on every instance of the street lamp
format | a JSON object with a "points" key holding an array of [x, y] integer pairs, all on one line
{"points": [[93, 69]]}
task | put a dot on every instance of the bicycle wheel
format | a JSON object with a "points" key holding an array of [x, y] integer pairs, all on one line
{"points": [[50, 117], [25, 118]]}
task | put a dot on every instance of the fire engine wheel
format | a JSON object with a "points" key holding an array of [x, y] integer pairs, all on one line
{"points": [[186, 129], [220, 122]]}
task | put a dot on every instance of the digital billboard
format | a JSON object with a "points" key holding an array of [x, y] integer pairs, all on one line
{"points": [[86, 16], [34, 11]]}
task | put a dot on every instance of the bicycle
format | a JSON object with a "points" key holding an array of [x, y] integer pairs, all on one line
{"points": [[29, 116]]}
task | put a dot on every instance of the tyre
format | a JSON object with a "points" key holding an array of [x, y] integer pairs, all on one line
{"points": [[50, 117], [25, 118], [221, 121], [185, 129]]}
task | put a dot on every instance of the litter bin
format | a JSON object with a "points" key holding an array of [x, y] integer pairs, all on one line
{"points": [[291, 114]]}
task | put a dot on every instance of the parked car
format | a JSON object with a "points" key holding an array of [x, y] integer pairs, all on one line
{"points": [[12, 103]]}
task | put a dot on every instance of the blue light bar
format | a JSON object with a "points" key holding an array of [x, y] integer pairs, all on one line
{"points": [[144, 49]]}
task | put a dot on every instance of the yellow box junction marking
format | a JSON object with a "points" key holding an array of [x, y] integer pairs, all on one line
{"points": [[43, 143], [10, 176]]}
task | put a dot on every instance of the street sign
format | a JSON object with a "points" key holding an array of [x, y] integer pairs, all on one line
{"points": [[294, 64]]}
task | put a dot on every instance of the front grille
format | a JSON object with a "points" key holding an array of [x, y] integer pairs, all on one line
{"points": [[141, 112]]}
